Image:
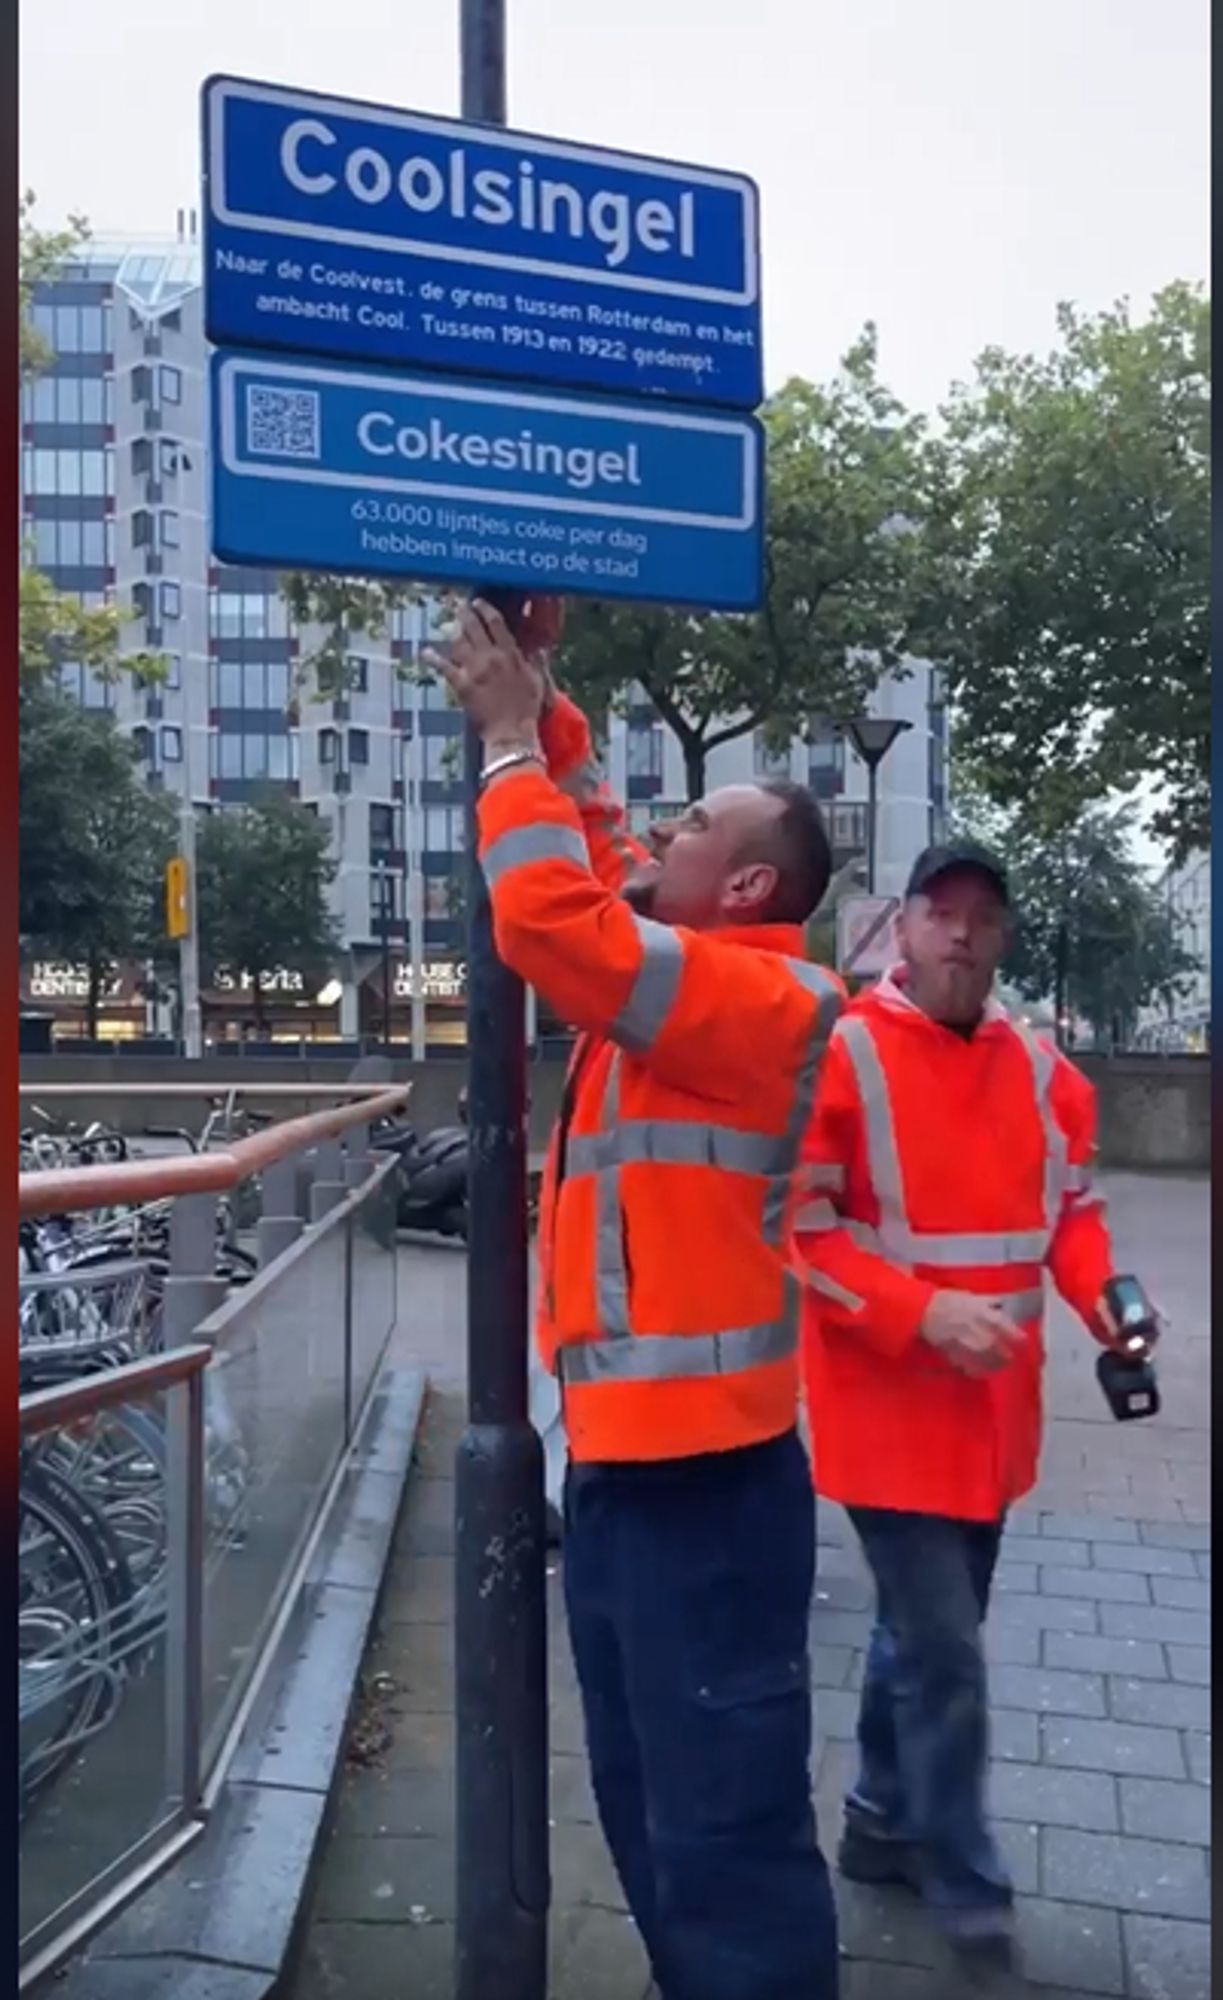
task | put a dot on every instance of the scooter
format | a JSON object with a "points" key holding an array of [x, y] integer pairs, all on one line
{"points": [[432, 1192]]}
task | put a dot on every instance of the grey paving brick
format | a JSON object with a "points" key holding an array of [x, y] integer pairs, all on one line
{"points": [[1190, 1663], [1087, 1653], [1197, 1755], [1155, 1621], [1048, 1691], [1102, 1585], [1048, 1614], [1111, 1746], [836, 1714], [386, 1880], [1169, 1705], [1173, 1535], [1009, 1645], [1163, 1810], [1019, 1844], [1158, 1878], [1203, 1562], [1168, 1960], [830, 1666], [884, 1924], [845, 1593], [839, 1628], [1150, 1561], [1012, 1576], [1040, 1795], [1070, 1945], [1183, 1593], [1014, 1735], [1087, 1528], [1035, 1547], [869, 1979]]}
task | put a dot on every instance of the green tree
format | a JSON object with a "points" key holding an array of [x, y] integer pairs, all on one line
{"points": [[263, 872], [1067, 540], [93, 840], [1092, 934], [843, 477], [40, 253]]}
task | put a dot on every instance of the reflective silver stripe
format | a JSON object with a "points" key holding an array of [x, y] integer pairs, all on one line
{"points": [[611, 1273], [828, 1288], [1043, 1062], [672, 1142], [1083, 1202], [673, 1357], [644, 1013], [821, 1176], [543, 840], [1023, 1307], [817, 1216], [824, 990], [990, 1249], [1078, 1180]]}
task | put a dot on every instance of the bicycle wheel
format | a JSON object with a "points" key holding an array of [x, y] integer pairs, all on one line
{"points": [[73, 1590]]}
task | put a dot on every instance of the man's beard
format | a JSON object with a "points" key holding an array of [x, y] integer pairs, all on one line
{"points": [[640, 891]]}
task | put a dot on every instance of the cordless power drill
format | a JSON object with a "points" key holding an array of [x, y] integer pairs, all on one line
{"points": [[1124, 1371]]}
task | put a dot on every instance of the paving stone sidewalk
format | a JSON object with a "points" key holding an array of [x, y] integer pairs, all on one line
{"points": [[1099, 1644]]}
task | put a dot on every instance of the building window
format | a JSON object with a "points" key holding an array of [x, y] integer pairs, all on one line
{"points": [[171, 745], [174, 671], [171, 383], [328, 744], [383, 897], [358, 673], [438, 898], [142, 457], [358, 746], [142, 528], [381, 828], [169, 530], [236, 614], [171, 601], [445, 830], [142, 743], [644, 751], [169, 458], [847, 825]]}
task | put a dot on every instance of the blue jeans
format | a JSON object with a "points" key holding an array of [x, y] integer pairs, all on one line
{"points": [[923, 1725], [688, 1588]]}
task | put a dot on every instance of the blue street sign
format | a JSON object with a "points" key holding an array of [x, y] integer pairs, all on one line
{"points": [[368, 234], [376, 472]]}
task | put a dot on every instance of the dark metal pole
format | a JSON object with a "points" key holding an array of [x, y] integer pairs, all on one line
{"points": [[872, 821], [501, 1702], [386, 895]]}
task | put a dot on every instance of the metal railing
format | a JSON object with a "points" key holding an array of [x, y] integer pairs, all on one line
{"points": [[171, 1507]]}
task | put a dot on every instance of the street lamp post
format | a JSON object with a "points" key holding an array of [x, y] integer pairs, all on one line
{"points": [[872, 737], [385, 894]]}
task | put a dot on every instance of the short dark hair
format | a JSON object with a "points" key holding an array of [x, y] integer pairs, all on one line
{"points": [[800, 849]]}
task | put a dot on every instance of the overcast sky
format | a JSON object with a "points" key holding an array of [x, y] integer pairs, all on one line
{"points": [[949, 168]]}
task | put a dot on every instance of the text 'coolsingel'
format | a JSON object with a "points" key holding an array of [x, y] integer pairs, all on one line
{"points": [[579, 467], [519, 199]]}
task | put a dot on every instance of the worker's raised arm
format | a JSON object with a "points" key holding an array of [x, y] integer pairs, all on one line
{"points": [[698, 1010], [565, 738]]}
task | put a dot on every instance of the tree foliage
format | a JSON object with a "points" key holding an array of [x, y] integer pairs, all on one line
{"points": [[263, 872], [843, 487], [40, 252], [1067, 588], [93, 840], [1092, 935]]}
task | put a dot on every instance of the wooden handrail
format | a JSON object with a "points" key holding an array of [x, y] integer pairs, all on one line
{"points": [[67, 1190], [121, 1088]]}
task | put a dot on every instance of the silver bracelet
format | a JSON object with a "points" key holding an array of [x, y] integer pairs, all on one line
{"points": [[509, 762]]}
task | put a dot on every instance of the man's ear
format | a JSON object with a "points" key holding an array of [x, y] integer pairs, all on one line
{"points": [[750, 887]]}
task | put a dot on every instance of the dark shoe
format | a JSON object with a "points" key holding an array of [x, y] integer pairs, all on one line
{"points": [[982, 1938], [876, 1860]]}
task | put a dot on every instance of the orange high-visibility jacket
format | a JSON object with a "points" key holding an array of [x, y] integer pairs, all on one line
{"points": [[667, 1308], [937, 1163]]}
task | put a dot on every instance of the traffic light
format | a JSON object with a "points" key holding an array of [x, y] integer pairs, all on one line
{"points": [[178, 901]]}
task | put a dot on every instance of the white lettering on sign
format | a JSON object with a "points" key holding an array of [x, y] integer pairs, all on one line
{"points": [[51, 980], [440, 979], [579, 466], [489, 196], [279, 980]]}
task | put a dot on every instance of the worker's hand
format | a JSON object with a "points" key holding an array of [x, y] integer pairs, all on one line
{"points": [[970, 1333], [540, 627], [485, 670]]}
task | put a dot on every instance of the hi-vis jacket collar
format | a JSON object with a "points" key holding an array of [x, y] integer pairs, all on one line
{"points": [[890, 992]]}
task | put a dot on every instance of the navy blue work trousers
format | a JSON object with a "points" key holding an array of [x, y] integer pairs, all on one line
{"points": [[688, 1586]]}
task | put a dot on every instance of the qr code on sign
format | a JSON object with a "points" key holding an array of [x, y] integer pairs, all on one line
{"points": [[282, 423]]}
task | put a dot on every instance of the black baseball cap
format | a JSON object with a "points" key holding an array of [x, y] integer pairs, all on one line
{"points": [[936, 862]]}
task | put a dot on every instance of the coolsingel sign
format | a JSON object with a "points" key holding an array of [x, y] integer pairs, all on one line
{"points": [[314, 163]]}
